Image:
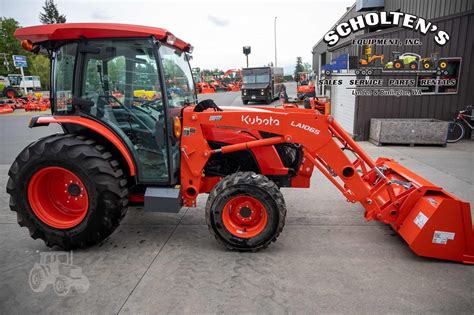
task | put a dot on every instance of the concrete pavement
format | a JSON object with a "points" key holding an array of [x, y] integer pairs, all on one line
{"points": [[327, 259]]}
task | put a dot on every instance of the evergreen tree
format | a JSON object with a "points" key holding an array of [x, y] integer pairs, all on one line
{"points": [[51, 14], [298, 68]]}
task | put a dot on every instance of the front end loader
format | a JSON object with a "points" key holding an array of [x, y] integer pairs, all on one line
{"points": [[72, 189]]}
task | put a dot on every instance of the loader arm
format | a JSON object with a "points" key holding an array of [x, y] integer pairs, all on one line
{"points": [[433, 222]]}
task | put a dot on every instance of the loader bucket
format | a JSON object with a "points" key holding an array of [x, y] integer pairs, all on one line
{"points": [[434, 223]]}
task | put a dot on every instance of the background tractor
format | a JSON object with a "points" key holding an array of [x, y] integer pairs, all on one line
{"points": [[405, 61], [412, 61], [13, 85], [305, 85], [72, 189]]}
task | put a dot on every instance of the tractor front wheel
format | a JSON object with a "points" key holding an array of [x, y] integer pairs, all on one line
{"points": [[398, 65], [245, 211], [68, 191]]}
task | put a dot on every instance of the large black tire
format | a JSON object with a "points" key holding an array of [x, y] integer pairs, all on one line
{"points": [[427, 64], [104, 181], [398, 65], [252, 185], [10, 92], [442, 64], [413, 65], [245, 102]]}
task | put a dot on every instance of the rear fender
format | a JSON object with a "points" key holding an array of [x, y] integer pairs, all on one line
{"points": [[98, 128]]}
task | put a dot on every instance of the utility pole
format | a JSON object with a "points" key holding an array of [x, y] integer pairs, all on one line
{"points": [[275, 34], [5, 61]]}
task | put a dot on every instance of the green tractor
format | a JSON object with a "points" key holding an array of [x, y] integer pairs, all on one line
{"points": [[412, 61]]}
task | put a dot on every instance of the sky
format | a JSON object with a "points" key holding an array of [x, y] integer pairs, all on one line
{"points": [[217, 29]]}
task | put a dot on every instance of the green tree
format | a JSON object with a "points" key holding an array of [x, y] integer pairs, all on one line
{"points": [[51, 14], [298, 68], [39, 65], [307, 67], [9, 45]]}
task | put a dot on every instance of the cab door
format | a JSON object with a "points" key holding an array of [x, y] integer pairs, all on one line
{"points": [[180, 91], [123, 79]]}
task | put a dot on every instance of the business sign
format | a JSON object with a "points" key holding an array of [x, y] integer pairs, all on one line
{"points": [[400, 19], [20, 61]]}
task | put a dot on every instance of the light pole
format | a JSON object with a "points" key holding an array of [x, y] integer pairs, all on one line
{"points": [[247, 50], [275, 34]]}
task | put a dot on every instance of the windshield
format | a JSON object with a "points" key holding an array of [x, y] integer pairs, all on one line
{"points": [[178, 77], [256, 78]]}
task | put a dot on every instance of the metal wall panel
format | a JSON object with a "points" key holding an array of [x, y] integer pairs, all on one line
{"points": [[444, 107]]}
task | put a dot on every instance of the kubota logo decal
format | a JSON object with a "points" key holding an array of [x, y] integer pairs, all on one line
{"points": [[270, 121], [305, 127]]}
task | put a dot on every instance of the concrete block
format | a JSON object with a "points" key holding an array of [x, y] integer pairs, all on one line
{"points": [[408, 131]]}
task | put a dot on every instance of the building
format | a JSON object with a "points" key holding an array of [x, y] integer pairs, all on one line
{"points": [[456, 17]]}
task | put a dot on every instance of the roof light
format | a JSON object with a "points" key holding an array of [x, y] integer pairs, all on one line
{"points": [[170, 39], [27, 45]]}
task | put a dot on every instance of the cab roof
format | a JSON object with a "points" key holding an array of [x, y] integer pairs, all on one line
{"points": [[71, 31]]}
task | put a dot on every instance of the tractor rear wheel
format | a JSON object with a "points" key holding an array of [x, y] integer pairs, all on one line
{"points": [[68, 191], [413, 65], [245, 211], [10, 92]]}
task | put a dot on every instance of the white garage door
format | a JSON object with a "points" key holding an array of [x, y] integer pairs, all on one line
{"points": [[343, 102]]}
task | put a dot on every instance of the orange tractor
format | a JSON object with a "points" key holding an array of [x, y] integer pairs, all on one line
{"points": [[235, 77], [204, 88], [72, 189], [305, 86]]}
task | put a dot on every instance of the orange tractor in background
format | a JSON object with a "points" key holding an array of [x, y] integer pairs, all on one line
{"points": [[305, 86], [204, 88], [235, 77], [72, 189]]}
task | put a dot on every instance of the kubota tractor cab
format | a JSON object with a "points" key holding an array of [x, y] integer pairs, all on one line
{"points": [[72, 189]]}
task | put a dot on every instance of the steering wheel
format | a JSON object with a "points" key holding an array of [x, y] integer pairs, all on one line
{"points": [[147, 104], [107, 98]]}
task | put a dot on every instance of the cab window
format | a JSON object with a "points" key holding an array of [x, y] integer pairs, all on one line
{"points": [[121, 79], [63, 75]]}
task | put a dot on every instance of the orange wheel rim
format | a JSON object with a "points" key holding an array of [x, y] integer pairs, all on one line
{"points": [[244, 216], [58, 197]]}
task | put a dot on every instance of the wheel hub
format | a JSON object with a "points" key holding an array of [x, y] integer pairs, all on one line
{"points": [[58, 197], [244, 216], [245, 212]]}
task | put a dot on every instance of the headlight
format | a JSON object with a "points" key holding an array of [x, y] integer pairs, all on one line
{"points": [[262, 92], [245, 92]]}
